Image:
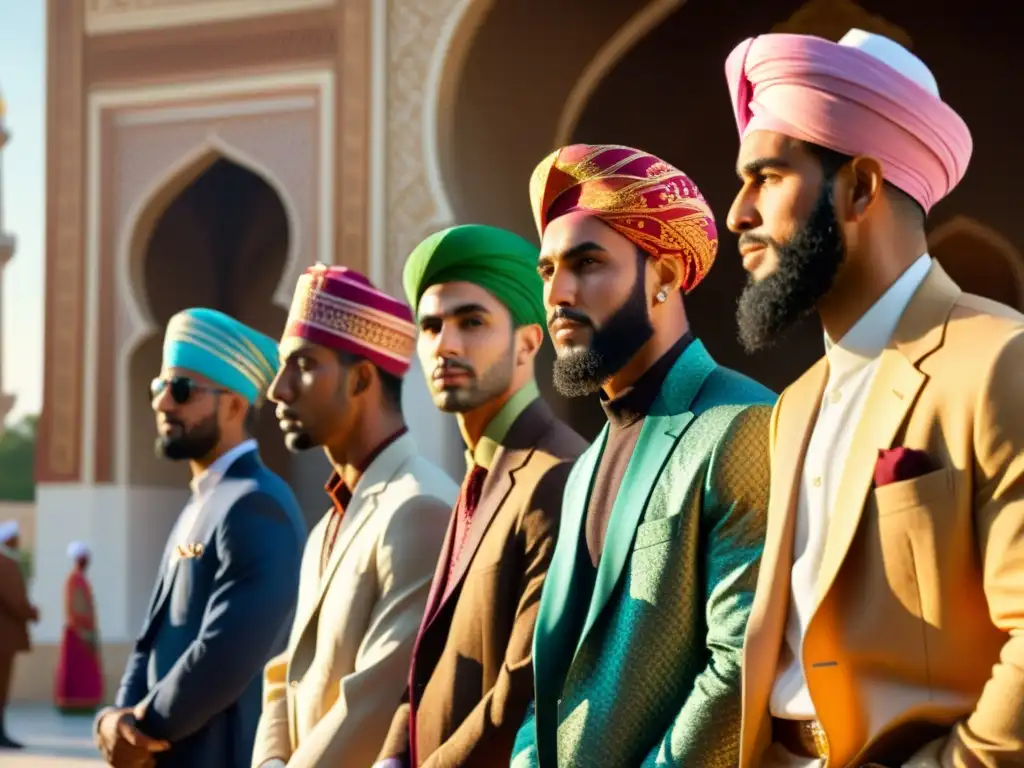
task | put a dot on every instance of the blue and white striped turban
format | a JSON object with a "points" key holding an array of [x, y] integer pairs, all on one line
{"points": [[223, 350]]}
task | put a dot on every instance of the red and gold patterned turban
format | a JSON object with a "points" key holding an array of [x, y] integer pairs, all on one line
{"points": [[339, 308], [636, 194]]}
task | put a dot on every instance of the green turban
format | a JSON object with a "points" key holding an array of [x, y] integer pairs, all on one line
{"points": [[500, 262]]}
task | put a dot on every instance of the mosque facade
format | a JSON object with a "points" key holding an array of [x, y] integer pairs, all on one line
{"points": [[205, 152]]}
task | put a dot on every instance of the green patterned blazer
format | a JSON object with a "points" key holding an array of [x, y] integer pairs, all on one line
{"points": [[654, 677]]}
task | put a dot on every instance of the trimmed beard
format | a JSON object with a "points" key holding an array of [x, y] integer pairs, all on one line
{"points": [[481, 388], [582, 371], [194, 443], [808, 265]]}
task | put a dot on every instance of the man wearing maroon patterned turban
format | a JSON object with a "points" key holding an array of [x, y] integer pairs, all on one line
{"points": [[368, 564], [637, 645], [888, 625]]}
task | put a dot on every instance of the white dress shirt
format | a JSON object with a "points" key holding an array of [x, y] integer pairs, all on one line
{"points": [[852, 364], [202, 484]]}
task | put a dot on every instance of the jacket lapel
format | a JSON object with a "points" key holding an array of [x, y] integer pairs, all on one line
{"points": [[213, 507], [793, 421], [364, 502], [512, 455], [552, 646], [893, 391], [661, 430], [438, 583]]}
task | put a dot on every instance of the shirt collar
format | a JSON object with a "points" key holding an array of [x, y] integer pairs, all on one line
{"points": [[336, 488], [497, 429], [635, 402], [206, 480], [872, 332]]}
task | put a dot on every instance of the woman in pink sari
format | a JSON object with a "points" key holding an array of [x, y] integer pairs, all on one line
{"points": [[79, 682]]}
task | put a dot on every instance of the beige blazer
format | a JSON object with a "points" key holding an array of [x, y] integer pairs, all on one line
{"points": [[918, 638], [329, 698]]}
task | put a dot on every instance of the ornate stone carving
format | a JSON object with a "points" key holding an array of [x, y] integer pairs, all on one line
{"points": [[832, 19], [414, 28], [65, 283]]}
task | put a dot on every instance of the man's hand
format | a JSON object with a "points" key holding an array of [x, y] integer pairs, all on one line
{"points": [[123, 745]]}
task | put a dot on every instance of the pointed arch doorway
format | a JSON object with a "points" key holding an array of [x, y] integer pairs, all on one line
{"points": [[220, 241]]}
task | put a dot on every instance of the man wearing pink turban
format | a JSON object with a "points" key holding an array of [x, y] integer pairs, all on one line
{"points": [[888, 622]]}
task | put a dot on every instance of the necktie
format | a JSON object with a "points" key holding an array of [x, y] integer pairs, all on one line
{"points": [[469, 499]]}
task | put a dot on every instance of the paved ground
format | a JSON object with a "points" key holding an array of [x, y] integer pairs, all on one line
{"points": [[52, 741]]}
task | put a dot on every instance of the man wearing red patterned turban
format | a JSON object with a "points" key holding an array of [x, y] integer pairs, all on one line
{"points": [[887, 625], [368, 564], [636, 650]]}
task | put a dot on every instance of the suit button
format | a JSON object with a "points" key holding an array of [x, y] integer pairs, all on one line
{"points": [[294, 683]]}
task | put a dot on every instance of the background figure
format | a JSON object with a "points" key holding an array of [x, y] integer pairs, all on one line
{"points": [[78, 685], [15, 614], [225, 589]]}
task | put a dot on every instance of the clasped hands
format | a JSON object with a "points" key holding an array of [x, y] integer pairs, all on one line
{"points": [[121, 742]]}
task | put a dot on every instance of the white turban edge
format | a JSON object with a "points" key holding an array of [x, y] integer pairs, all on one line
{"points": [[77, 549], [8, 531]]}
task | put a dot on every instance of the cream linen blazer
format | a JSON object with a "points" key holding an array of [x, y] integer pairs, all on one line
{"points": [[329, 698], [917, 643]]}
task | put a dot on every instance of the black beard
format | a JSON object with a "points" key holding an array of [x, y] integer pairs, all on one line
{"points": [[581, 372], [192, 444], [298, 442], [807, 269]]}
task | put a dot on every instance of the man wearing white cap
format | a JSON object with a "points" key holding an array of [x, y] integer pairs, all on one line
{"points": [[15, 613], [888, 624], [78, 683]]}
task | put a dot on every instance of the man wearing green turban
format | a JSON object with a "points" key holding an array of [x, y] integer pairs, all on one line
{"points": [[478, 302], [500, 262]]}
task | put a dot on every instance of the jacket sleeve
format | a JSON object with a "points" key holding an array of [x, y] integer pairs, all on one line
{"points": [[353, 730], [496, 719], [273, 733], [706, 731], [251, 600], [13, 595], [993, 735]]}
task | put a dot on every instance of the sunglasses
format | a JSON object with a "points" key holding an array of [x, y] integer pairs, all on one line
{"points": [[181, 388]]}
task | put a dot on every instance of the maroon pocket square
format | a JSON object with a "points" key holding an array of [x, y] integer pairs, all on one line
{"points": [[897, 464]]}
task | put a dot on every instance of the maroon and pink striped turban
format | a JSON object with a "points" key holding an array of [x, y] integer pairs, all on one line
{"points": [[339, 308]]}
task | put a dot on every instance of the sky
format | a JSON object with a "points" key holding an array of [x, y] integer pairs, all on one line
{"points": [[22, 84]]}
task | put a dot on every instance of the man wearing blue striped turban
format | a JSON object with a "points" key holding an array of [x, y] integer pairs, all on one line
{"points": [[224, 597]]}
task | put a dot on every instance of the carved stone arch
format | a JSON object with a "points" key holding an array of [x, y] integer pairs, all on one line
{"points": [[261, 199], [434, 52], [605, 60], [152, 204], [980, 260]]}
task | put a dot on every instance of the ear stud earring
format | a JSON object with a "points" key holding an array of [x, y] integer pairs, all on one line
{"points": [[661, 296]]}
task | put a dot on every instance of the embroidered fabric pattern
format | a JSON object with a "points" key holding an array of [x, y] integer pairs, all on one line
{"points": [[645, 199], [356, 322]]}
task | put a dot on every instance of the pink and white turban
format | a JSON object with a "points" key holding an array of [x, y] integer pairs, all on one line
{"points": [[865, 95]]}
